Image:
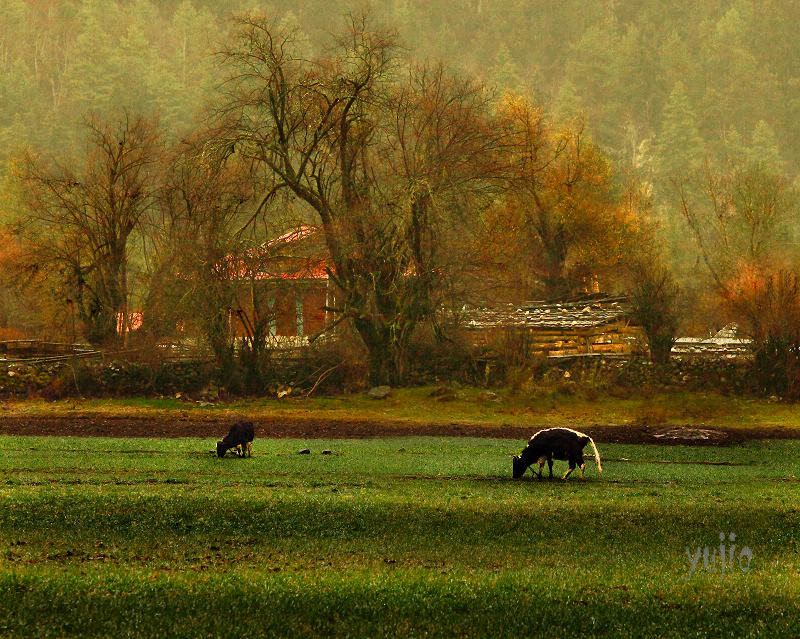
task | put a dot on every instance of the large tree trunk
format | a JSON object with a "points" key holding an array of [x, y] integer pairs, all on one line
{"points": [[387, 352], [554, 255], [105, 302], [660, 347], [217, 331], [556, 284]]}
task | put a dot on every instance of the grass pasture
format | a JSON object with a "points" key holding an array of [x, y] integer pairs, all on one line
{"points": [[391, 537]]}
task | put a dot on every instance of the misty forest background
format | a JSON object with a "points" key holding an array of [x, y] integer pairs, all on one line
{"points": [[678, 97], [659, 82]]}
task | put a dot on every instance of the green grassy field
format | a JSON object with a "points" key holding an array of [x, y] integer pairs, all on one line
{"points": [[391, 537]]}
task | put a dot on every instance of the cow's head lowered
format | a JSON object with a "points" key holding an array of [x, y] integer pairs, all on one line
{"points": [[519, 467]]}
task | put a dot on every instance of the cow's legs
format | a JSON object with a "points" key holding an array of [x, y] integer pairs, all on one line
{"points": [[542, 460], [550, 466], [571, 468], [582, 467], [249, 449]]}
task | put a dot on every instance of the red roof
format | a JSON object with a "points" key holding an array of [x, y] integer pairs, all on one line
{"points": [[300, 233], [313, 267]]}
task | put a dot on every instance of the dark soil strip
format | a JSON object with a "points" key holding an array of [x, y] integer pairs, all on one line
{"points": [[325, 428]]}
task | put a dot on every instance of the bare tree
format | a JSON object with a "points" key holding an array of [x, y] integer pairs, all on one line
{"points": [[213, 260], [387, 158], [80, 224], [739, 217]]}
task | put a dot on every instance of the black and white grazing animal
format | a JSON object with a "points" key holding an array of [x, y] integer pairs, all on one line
{"points": [[240, 437], [555, 443]]}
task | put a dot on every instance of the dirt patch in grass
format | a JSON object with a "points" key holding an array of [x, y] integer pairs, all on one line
{"points": [[326, 428]]}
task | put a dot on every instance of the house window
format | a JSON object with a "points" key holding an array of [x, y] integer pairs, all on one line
{"points": [[273, 324], [298, 313], [286, 313], [313, 311]]}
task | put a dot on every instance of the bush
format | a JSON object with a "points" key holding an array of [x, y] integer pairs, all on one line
{"points": [[22, 379], [183, 377], [776, 366], [654, 297], [767, 306], [327, 366], [435, 358]]}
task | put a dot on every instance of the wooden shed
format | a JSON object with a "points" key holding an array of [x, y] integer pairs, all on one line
{"points": [[588, 326]]}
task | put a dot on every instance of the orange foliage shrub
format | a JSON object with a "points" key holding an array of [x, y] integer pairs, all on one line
{"points": [[767, 305]]}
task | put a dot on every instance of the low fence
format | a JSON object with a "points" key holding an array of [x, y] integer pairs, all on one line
{"points": [[32, 351]]}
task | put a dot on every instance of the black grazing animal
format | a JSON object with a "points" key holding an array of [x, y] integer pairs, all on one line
{"points": [[555, 443], [240, 437]]}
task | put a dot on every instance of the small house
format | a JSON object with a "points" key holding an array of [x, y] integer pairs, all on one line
{"points": [[293, 272]]}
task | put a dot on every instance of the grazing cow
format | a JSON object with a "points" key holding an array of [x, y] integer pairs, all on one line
{"points": [[240, 438], [555, 443]]}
